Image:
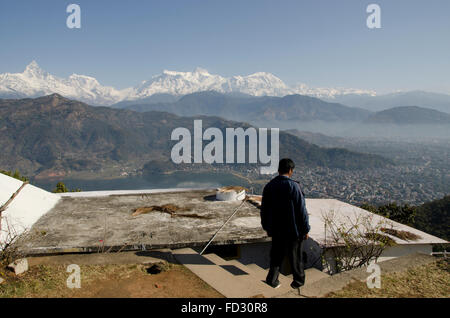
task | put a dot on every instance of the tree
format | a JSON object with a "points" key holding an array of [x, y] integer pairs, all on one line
{"points": [[434, 217], [15, 175], [404, 214], [61, 188]]}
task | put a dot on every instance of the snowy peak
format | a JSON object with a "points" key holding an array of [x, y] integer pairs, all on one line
{"points": [[84, 81], [33, 70], [260, 84], [330, 93], [34, 82], [182, 83], [201, 70], [198, 70]]}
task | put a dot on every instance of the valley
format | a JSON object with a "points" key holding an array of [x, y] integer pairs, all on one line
{"points": [[52, 139]]}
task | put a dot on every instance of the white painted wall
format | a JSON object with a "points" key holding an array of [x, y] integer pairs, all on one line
{"points": [[401, 250]]}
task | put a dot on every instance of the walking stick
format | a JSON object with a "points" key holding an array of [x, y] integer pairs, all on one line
{"points": [[214, 236]]}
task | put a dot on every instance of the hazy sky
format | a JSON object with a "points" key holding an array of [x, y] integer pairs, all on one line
{"points": [[320, 43]]}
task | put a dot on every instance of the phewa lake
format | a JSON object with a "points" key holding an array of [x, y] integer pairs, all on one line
{"points": [[154, 181]]}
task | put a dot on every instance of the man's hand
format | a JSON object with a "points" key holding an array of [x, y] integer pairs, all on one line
{"points": [[306, 236]]}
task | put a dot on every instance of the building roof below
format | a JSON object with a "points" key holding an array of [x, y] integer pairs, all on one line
{"points": [[170, 219], [174, 219]]}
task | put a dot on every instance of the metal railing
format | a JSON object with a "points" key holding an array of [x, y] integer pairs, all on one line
{"points": [[444, 253]]}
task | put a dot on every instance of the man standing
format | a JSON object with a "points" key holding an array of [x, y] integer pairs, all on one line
{"points": [[284, 217]]}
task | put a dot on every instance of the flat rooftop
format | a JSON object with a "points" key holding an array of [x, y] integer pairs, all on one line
{"points": [[89, 221], [85, 223]]}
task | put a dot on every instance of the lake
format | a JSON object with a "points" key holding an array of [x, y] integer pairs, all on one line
{"points": [[180, 179]]}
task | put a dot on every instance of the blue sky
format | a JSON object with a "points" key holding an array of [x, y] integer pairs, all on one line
{"points": [[320, 43]]}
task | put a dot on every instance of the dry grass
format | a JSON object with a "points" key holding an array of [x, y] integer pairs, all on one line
{"points": [[39, 281], [380, 238], [403, 235], [45, 281], [166, 208], [169, 209], [426, 281]]}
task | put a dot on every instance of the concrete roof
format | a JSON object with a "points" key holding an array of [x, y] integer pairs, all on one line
{"points": [[82, 222], [85, 221], [79, 223], [27, 207], [346, 214]]}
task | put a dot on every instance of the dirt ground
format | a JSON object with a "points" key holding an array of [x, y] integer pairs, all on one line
{"points": [[175, 283], [107, 281]]}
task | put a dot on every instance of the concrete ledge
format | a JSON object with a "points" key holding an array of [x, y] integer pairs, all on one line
{"points": [[50, 250], [149, 257]]}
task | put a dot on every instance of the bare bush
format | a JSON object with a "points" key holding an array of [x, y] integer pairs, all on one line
{"points": [[13, 244], [9, 247], [355, 241]]}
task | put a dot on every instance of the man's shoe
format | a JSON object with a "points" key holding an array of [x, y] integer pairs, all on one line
{"points": [[296, 285], [276, 285]]}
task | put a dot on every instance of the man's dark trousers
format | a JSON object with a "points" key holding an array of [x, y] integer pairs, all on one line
{"points": [[292, 247]]}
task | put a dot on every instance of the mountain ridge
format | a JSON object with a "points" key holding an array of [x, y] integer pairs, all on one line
{"points": [[35, 82], [403, 115], [53, 133], [264, 108], [436, 101]]}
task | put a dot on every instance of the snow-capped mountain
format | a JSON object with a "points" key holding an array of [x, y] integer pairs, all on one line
{"points": [[330, 93], [35, 82], [182, 83]]}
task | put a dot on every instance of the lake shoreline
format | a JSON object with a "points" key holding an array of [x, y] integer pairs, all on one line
{"points": [[175, 179]]}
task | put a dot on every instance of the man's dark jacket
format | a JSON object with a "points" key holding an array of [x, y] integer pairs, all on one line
{"points": [[283, 209]]}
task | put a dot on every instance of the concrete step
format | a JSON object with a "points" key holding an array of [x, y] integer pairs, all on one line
{"points": [[216, 259], [230, 278], [229, 285], [262, 273], [256, 276], [312, 275]]}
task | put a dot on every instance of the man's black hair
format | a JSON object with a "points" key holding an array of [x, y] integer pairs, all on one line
{"points": [[285, 166]]}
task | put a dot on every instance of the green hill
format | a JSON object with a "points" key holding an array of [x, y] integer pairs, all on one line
{"points": [[53, 132], [409, 115], [256, 109]]}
